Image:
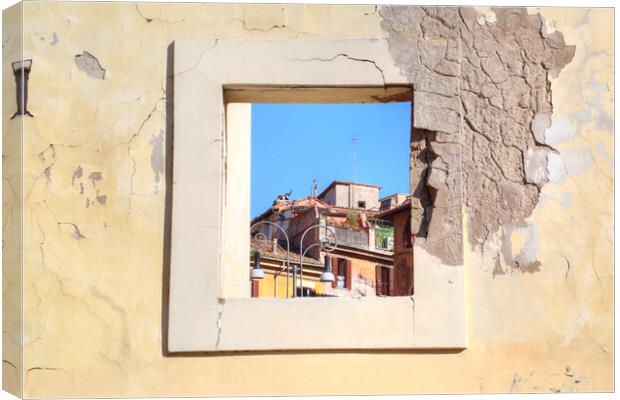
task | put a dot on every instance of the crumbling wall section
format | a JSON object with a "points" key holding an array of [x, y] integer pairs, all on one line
{"points": [[482, 100]]}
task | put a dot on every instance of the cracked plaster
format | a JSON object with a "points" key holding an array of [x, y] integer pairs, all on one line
{"points": [[542, 332]]}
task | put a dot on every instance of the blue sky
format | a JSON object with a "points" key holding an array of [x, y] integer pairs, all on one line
{"points": [[294, 143]]}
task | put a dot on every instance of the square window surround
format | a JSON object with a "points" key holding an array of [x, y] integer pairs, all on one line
{"points": [[209, 308]]}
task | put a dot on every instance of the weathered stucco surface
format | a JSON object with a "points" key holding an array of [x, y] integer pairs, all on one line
{"points": [[12, 212], [538, 269]]}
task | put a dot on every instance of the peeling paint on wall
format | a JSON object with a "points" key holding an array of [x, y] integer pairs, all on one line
{"points": [[89, 64], [157, 156], [95, 177], [101, 199], [520, 246], [77, 174]]}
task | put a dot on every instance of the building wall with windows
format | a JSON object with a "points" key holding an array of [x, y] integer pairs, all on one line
{"points": [[351, 195], [392, 200], [403, 256], [88, 181], [275, 285], [402, 274], [355, 277]]}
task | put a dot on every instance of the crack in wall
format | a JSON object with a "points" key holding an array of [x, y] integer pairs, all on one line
{"points": [[255, 29], [76, 230], [568, 267], [133, 159], [85, 301], [282, 25], [148, 20], [77, 234], [202, 53], [345, 56], [42, 369]]}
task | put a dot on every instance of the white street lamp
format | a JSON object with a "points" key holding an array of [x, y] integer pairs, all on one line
{"points": [[327, 275], [257, 273]]}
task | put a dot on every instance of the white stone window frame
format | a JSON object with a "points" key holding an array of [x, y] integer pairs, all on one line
{"points": [[209, 308]]}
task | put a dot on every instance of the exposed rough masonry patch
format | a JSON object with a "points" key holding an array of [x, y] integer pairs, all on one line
{"points": [[482, 100]]}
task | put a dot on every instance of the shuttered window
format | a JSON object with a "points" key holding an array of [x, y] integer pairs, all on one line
{"points": [[342, 273], [384, 280]]}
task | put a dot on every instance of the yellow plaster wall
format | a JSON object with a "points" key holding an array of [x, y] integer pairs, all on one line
{"points": [[363, 278], [265, 286], [12, 209], [93, 265]]}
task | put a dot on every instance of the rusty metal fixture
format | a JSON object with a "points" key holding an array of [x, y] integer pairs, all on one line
{"points": [[21, 70]]}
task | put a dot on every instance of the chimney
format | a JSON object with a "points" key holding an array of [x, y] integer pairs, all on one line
{"points": [[274, 243]]}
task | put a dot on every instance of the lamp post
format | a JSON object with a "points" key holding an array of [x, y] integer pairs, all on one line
{"points": [[324, 243], [327, 275], [261, 237]]}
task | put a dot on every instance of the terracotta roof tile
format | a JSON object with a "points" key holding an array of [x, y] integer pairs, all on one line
{"points": [[401, 206], [279, 253]]}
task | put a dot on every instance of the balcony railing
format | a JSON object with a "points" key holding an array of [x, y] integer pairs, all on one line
{"points": [[352, 237]]}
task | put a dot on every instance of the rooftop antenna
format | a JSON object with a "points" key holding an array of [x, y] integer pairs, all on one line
{"points": [[354, 163]]}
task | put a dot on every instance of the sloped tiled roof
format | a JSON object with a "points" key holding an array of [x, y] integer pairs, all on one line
{"points": [[309, 202], [280, 253], [402, 206]]}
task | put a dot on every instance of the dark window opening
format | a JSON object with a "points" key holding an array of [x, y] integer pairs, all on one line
{"points": [[307, 292], [383, 275], [342, 272], [361, 204], [407, 235], [341, 278]]}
